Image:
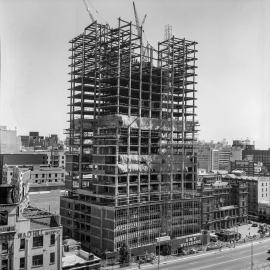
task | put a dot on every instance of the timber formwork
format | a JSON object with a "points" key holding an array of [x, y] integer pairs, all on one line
{"points": [[131, 162]]}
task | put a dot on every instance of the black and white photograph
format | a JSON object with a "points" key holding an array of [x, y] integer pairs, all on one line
{"points": [[135, 134]]}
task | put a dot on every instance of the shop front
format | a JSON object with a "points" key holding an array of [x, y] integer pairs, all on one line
{"points": [[186, 244]]}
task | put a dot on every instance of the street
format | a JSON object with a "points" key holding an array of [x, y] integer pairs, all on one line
{"points": [[232, 259]]}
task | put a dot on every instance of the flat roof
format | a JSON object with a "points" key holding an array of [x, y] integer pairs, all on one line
{"points": [[73, 258], [40, 219]]}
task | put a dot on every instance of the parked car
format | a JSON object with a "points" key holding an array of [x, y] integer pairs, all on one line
{"points": [[192, 251], [254, 225]]}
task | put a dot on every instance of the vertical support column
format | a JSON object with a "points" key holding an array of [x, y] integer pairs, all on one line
{"points": [[140, 111], [172, 168], [117, 109], [129, 109], [160, 63], [150, 117], [171, 116], [118, 66], [183, 175], [82, 110], [183, 117], [195, 160], [71, 117]]}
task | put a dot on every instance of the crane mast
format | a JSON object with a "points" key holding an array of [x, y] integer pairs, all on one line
{"points": [[88, 11]]}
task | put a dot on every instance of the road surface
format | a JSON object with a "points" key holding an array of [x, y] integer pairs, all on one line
{"points": [[232, 259]]}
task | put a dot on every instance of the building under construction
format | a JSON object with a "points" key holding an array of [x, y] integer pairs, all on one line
{"points": [[131, 161]]}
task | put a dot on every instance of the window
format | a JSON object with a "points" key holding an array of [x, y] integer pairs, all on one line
{"points": [[62, 175], [49, 175], [43, 175], [38, 241], [55, 174], [22, 244], [3, 218], [4, 247], [22, 263], [52, 239], [52, 258], [36, 175], [5, 264], [37, 260]]}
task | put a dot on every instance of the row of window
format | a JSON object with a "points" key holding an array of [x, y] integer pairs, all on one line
{"points": [[50, 175], [42, 181], [37, 260], [37, 241]]}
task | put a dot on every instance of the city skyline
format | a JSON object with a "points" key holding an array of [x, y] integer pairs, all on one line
{"points": [[232, 67]]}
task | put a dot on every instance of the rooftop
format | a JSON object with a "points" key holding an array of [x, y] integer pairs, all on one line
{"points": [[248, 178], [73, 255], [40, 219]]}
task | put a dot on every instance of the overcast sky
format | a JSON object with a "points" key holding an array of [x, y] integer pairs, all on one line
{"points": [[233, 66]]}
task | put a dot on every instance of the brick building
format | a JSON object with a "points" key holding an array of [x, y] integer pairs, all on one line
{"points": [[224, 204]]}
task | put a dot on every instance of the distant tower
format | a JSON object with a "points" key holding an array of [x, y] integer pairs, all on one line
{"points": [[167, 32]]}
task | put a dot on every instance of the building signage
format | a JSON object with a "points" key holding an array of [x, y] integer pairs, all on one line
{"points": [[163, 238], [190, 241], [36, 233], [7, 229]]}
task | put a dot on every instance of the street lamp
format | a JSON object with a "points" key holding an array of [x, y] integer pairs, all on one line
{"points": [[158, 250], [251, 255]]}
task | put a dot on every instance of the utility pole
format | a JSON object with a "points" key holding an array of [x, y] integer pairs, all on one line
{"points": [[251, 255], [159, 249]]}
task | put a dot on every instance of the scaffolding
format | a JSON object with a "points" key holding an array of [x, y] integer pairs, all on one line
{"points": [[132, 133]]}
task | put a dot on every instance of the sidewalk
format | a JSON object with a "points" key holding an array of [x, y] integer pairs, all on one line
{"points": [[171, 258]]}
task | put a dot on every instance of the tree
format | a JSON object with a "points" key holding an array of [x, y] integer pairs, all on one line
{"points": [[124, 255]]}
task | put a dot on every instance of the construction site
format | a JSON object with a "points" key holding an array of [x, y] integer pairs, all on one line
{"points": [[131, 163]]}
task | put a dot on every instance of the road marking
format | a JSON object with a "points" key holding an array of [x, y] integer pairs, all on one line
{"points": [[209, 253], [231, 260]]}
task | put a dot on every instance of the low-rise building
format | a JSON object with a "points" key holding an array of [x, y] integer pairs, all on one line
{"points": [[258, 190], [21, 159], [45, 184], [244, 165], [223, 204], [76, 258], [29, 237], [9, 141], [264, 211]]}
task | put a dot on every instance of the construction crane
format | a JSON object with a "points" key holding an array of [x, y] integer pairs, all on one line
{"points": [[146, 50], [138, 25], [88, 11]]}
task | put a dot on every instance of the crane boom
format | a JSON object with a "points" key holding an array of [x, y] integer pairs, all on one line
{"points": [[137, 19], [88, 11], [144, 19]]}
